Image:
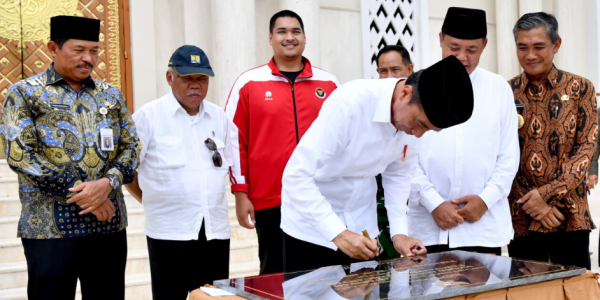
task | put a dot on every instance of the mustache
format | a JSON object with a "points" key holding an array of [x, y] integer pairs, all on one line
{"points": [[84, 64], [193, 94]]}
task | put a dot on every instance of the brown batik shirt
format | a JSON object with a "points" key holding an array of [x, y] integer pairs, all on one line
{"points": [[557, 141]]}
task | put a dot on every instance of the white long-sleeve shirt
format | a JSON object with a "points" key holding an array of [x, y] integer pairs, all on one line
{"points": [[479, 157], [329, 182], [181, 186]]}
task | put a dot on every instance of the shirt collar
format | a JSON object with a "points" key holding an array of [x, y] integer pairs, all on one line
{"points": [[551, 79], [173, 107], [52, 77], [306, 71], [383, 112]]}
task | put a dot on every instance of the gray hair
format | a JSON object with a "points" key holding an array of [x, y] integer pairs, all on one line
{"points": [[171, 71], [538, 19]]}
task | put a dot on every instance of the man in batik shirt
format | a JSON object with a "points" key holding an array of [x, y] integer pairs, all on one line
{"points": [[549, 206], [72, 142]]}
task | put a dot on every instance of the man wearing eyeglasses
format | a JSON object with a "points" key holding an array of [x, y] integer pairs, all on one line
{"points": [[186, 152]]}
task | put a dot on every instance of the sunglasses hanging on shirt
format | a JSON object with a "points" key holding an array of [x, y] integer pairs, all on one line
{"points": [[216, 158]]}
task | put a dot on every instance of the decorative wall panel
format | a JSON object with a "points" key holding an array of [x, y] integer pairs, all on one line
{"points": [[25, 31], [386, 22]]}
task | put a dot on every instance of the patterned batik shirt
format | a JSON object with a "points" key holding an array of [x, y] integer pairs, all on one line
{"points": [[51, 135], [557, 142]]}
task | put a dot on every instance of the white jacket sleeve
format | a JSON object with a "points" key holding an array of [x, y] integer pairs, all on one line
{"points": [[499, 185], [423, 190], [396, 181]]}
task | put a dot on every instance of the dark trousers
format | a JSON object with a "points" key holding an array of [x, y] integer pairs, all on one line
{"points": [[53, 266], [303, 256], [565, 248], [179, 267], [444, 248], [270, 240]]}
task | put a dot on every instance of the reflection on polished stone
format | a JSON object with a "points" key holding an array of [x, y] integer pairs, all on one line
{"points": [[434, 276]]}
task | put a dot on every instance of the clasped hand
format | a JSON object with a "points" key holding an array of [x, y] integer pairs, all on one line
{"points": [[92, 196], [535, 206]]}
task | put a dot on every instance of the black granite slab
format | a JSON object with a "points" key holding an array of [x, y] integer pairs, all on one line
{"points": [[434, 276]]}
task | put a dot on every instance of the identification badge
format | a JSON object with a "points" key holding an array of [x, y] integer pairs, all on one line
{"points": [[106, 138]]}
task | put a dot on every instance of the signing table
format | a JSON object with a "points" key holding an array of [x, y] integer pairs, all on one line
{"points": [[449, 275]]}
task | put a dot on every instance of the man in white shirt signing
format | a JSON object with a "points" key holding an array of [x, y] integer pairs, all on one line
{"points": [[367, 127], [459, 192], [186, 153]]}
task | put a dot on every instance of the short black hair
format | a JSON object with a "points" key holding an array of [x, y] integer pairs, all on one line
{"points": [[445, 34], [403, 52], [413, 80], [284, 13], [60, 42]]}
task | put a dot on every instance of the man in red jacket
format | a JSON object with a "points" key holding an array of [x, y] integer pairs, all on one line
{"points": [[272, 106]]}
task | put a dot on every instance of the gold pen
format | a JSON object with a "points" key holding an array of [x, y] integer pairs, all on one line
{"points": [[366, 234]]}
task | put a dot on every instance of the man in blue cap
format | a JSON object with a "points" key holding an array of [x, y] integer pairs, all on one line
{"points": [[185, 158], [72, 142]]}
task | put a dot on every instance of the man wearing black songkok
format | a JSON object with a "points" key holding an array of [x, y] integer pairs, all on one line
{"points": [[459, 191], [366, 127], [72, 142]]}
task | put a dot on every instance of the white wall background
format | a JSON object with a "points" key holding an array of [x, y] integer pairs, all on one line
{"points": [[234, 34]]}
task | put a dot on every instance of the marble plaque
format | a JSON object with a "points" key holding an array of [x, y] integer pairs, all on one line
{"points": [[434, 276]]}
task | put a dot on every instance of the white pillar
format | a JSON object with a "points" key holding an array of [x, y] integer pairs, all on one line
{"points": [[198, 24], [529, 6], [593, 27], [234, 44], [572, 29], [265, 9], [506, 17], [309, 11], [169, 35], [143, 54], [198, 31]]}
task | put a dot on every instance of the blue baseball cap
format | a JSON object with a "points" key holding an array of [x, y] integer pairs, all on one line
{"points": [[190, 60]]}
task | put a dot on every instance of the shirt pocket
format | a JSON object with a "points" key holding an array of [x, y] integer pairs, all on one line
{"points": [[221, 149], [170, 152]]}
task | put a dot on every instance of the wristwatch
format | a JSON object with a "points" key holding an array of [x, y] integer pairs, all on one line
{"points": [[113, 181]]}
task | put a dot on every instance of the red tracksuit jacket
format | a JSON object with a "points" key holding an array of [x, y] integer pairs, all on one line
{"points": [[271, 115]]}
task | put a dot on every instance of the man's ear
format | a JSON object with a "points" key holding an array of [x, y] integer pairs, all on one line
{"points": [[407, 91], [52, 48], [410, 69], [557, 45], [270, 39], [169, 78]]}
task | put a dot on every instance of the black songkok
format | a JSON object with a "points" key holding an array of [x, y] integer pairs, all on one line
{"points": [[71, 27], [446, 93], [465, 23]]}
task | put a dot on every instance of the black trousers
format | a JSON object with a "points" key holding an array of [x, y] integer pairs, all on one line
{"points": [[270, 240], [54, 265], [302, 256], [179, 267], [444, 248], [565, 248]]}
